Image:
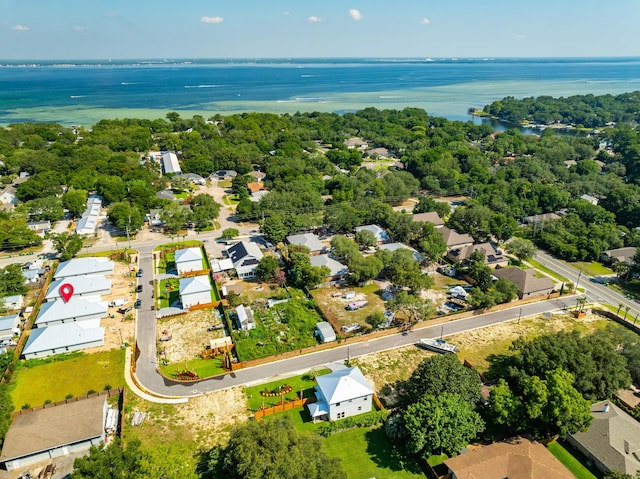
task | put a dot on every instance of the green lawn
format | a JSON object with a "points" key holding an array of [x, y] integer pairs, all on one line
{"points": [[302, 383], [551, 273], [570, 461], [181, 244], [592, 268], [172, 293], [204, 368], [37, 383], [368, 453]]}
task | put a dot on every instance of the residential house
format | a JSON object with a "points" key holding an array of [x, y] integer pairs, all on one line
{"points": [[63, 338], [380, 233], [356, 142], [591, 199], [515, 458], [170, 163], [33, 276], [309, 240], [220, 265], [375, 153], [453, 239], [337, 271], [89, 287], [255, 186], [540, 219], [526, 281], [428, 217], [88, 223], [396, 246], [195, 290], [325, 332], [194, 178], [341, 394], [244, 318], [40, 227], [258, 195], [84, 267], [8, 196], [612, 442], [225, 174], [258, 175], [154, 218], [623, 255], [9, 326], [54, 431], [168, 195], [492, 256], [245, 257], [76, 309], [12, 303], [188, 259]]}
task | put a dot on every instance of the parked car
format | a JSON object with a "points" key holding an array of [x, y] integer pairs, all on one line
{"points": [[125, 310], [138, 304], [139, 289], [139, 273]]}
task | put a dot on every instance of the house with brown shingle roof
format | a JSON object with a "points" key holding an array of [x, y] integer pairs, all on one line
{"points": [[492, 257], [453, 239], [428, 217], [515, 458], [526, 281], [255, 186], [257, 175]]}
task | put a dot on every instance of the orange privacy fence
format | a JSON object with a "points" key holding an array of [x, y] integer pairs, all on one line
{"points": [[285, 406]]}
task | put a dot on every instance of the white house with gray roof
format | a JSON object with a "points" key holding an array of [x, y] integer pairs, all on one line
{"points": [[245, 257], [77, 309], [337, 271], [195, 290], [244, 318], [170, 163], [83, 267], [62, 338], [188, 259], [378, 232], [341, 394], [309, 240], [92, 288], [396, 246], [9, 326]]}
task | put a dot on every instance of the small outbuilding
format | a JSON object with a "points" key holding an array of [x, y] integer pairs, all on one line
{"points": [[325, 332]]}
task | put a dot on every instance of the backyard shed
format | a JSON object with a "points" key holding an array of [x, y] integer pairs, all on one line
{"points": [[325, 332]]}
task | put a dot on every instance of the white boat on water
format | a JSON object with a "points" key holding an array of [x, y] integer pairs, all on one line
{"points": [[437, 345]]}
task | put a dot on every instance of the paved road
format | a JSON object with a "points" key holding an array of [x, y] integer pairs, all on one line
{"points": [[152, 381], [595, 292]]}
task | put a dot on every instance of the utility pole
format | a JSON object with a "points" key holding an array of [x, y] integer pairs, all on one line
{"points": [[519, 315], [575, 289], [127, 229]]}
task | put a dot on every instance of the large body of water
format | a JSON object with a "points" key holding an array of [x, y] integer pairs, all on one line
{"points": [[85, 92]]}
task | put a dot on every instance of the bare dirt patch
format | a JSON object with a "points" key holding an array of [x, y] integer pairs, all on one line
{"points": [[333, 304], [189, 334]]}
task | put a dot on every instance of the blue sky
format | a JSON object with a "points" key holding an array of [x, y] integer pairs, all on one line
{"points": [[100, 29]]}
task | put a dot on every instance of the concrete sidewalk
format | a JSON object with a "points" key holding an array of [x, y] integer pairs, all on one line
{"points": [[138, 390]]}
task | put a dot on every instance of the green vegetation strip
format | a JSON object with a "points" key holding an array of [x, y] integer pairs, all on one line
{"points": [[592, 268], [60, 376], [204, 368], [550, 272], [569, 461], [181, 244], [304, 383], [367, 452]]}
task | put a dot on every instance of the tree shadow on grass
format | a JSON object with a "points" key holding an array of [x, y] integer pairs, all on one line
{"points": [[385, 454]]}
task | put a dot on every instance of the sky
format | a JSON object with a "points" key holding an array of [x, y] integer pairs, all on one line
{"points": [[134, 29]]}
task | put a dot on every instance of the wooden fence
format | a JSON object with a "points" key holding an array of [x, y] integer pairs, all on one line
{"points": [[284, 406], [109, 393]]}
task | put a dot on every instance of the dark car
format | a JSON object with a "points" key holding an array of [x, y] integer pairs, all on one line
{"points": [[138, 304], [125, 310], [139, 289], [139, 273]]}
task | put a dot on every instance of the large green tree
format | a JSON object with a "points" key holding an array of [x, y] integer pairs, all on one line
{"points": [[12, 281], [275, 449], [440, 424], [67, 245]]}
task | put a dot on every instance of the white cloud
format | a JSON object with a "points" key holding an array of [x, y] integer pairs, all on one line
{"points": [[521, 36], [314, 19], [285, 13], [19, 28], [425, 21], [212, 19], [78, 28], [355, 14]]}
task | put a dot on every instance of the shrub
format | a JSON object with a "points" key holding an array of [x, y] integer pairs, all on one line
{"points": [[362, 420]]}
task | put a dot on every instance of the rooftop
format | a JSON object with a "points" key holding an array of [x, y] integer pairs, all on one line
{"points": [[84, 266], [60, 337], [309, 240], [343, 385]]}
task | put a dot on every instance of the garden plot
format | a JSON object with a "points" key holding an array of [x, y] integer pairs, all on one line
{"points": [[189, 334]]}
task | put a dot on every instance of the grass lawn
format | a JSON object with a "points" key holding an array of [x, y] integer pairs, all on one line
{"points": [[367, 453], [592, 268], [204, 368], [172, 292], [76, 376], [551, 273], [302, 383], [180, 244], [574, 465]]}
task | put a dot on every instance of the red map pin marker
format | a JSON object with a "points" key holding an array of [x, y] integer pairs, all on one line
{"points": [[66, 291]]}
